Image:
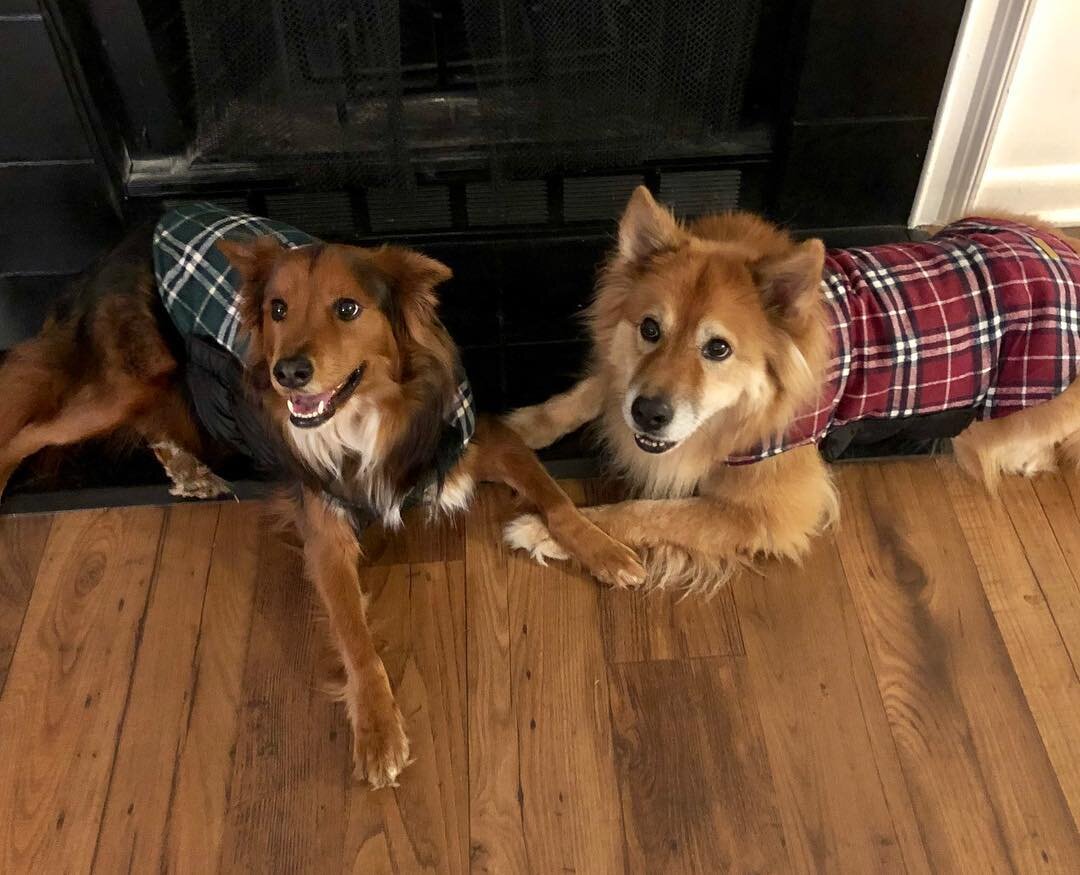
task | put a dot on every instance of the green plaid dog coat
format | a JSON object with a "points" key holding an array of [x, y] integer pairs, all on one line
{"points": [[198, 287]]}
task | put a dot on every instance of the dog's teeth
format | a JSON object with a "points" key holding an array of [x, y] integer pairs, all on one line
{"points": [[322, 409]]}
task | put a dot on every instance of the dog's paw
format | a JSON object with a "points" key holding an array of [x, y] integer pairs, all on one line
{"points": [[204, 484], [380, 748], [528, 533], [616, 565]]}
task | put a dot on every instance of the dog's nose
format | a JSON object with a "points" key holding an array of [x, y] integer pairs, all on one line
{"points": [[295, 372], [651, 414]]}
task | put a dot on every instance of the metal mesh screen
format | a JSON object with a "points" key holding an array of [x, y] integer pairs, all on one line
{"points": [[588, 84], [381, 89]]}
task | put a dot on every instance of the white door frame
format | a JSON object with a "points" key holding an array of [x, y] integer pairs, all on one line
{"points": [[991, 35]]}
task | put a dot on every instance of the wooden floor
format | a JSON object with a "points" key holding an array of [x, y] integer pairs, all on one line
{"points": [[905, 701]]}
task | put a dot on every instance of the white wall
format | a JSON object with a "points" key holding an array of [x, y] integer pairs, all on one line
{"points": [[1034, 160], [1007, 133]]}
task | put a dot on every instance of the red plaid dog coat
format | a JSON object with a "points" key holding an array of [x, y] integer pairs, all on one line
{"points": [[984, 316]]}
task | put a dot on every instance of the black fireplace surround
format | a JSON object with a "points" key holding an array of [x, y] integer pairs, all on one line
{"points": [[501, 136]]}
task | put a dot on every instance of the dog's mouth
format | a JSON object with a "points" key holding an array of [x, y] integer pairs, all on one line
{"points": [[651, 444], [308, 411]]}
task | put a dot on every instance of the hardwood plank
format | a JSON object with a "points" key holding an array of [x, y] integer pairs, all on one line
{"points": [[663, 625], [496, 833], [1019, 560], [420, 540], [132, 834], [571, 818], [422, 826], [287, 792], [840, 789], [197, 816], [1059, 498], [22, 542], [66, 692], [980, 780], [694, 778]]}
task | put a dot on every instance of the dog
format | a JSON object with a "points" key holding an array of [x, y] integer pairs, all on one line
{"points": [[349, 381], [724, 353]]}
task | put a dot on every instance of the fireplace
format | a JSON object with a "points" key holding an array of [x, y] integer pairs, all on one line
{"points": [[501, 136]]}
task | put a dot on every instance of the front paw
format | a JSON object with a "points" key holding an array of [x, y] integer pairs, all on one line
{"points": [[380, 745], [602, 556], [528, 532], [615, 564], [203, 484]]}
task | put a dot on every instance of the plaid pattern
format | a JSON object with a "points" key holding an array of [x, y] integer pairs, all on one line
{"points": [[463, 412], [983, 316], [198, 286]]}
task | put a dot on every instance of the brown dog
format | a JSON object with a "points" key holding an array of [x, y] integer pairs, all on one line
{"points": [[354, 375], [710, 341]]}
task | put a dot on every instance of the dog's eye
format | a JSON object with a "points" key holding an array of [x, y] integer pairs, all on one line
{"points": [[278, 309], [650, 329], [347, 309], [716, 349]]}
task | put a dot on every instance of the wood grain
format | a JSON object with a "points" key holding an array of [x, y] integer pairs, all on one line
{"points": [[694, 778], [904, 701], [662, 625], [571, 820], [422, 826], [497, 842], [67, 688], [1059, 497], [22, 541], [840, 789], [963, 730], [200, 789], [287, 792], [132, 835], [421, 539], [1019, 560]]}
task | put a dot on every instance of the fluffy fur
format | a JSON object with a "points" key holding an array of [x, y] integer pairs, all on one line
{"points": [[379, 368], [741, 279]]}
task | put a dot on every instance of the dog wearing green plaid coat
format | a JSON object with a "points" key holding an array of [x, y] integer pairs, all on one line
{"points": [[326, 365]]}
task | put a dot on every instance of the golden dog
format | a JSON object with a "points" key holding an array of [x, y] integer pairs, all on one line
{"points": [[711, 339]]}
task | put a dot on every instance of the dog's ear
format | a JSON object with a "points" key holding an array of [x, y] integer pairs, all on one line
{"points": [[790, 281], [407, 295], [646, 227], [429, 357], [253, 260], [410, 273]]}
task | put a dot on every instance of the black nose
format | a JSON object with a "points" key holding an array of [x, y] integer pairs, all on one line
{"points": [[295, 372], [651, 414]]}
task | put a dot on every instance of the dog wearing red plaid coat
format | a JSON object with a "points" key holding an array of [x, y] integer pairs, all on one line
{"points": [[724, 353]]}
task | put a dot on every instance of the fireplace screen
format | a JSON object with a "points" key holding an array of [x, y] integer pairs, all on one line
{"points": [[380, 90]]}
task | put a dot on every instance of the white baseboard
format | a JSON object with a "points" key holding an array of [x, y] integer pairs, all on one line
{"points": [[1051, 192]]}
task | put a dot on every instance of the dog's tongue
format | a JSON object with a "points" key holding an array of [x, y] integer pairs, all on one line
{"points": [[305, 405]]}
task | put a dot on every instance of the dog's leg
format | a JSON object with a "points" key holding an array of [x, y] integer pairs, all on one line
{"points": [[173, 436], [1026, 442], [331, 557], [773, 507], [32, 383], [543, 424], [92, 410], [691, 543], [498, 455]]}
